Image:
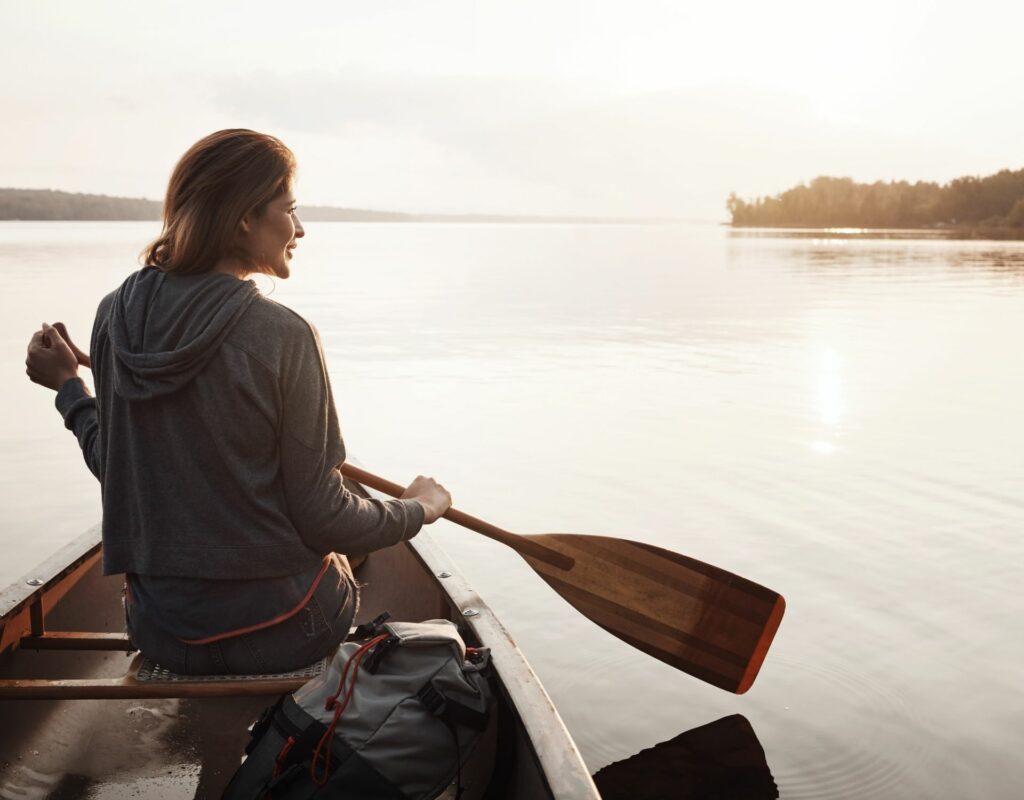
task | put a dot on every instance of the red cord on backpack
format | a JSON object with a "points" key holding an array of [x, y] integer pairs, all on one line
{"points": [[281, 756], [339, 708]]}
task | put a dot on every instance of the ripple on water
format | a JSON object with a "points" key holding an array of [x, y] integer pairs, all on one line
{"points": [[594, 688], [856, 737]]}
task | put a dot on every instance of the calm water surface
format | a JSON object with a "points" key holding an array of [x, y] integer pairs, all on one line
{"points": [[836, 417]]}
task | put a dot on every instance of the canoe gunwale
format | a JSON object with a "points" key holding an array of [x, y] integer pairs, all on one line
{"points": [[556, 752], [49, 573], [24, 605]]}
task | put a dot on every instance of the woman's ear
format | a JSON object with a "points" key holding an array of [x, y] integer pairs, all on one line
{"points": [[245, 225]]}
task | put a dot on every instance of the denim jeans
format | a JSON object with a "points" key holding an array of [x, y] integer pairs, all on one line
{"points": [[314, 632]]}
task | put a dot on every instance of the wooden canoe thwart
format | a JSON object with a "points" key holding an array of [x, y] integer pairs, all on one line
{"points": [[698, 618]]}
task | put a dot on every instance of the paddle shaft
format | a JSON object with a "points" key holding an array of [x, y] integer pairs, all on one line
{"points": [[520, 544]]}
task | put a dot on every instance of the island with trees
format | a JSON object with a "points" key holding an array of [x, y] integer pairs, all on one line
{"points": [[992, 206]]}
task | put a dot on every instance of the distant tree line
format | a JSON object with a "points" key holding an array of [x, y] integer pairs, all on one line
{"points": [[47, 204], [995, 201]]}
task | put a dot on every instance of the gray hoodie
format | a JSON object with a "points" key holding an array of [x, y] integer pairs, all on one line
{"points": [[215, 438]]}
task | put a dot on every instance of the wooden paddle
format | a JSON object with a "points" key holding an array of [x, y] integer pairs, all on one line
{"points": [[703, 620]]}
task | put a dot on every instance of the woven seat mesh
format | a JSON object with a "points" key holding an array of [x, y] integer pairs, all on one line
{"points": [[151, 671]]}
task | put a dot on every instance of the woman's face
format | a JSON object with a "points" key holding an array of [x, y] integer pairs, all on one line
{"points": [[273, 235]]}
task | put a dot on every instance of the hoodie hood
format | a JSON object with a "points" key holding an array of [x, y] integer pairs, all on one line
{"points": [[164, 328]]}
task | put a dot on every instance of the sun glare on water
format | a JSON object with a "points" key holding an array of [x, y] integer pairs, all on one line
{"points": [[830, 406]]}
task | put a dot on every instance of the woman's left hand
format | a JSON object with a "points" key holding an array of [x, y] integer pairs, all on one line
{"points": [[50, 361]]}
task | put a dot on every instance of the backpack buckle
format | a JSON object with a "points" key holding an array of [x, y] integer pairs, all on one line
{"points": [[372, 661], [370, 629], [432, 700]]}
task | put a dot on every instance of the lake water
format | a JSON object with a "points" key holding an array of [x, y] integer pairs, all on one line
{"points": [[836, 417]]}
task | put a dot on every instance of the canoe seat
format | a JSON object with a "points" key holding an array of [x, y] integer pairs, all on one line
{"points": [[149, 671], [143, 679]]}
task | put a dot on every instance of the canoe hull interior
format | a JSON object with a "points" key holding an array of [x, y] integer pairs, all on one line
{"points": [[185, 748]]}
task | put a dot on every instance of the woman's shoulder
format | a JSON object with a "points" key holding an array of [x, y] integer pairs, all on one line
{"points": [[276, 320], [283, 341], [276, 336]]}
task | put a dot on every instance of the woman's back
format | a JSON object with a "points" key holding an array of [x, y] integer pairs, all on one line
{"points": [[214, 433], [218, 436]]}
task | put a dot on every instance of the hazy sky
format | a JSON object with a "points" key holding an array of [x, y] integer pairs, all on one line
{"points": [[592, 107]]}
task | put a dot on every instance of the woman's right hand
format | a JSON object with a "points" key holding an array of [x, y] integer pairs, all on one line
{"points": [[431, 495]]}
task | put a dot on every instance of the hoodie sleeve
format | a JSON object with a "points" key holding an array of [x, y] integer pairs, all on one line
{"points": [[328, 517], [78, 408]]}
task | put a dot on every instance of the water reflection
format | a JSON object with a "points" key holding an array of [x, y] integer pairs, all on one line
{"points": [[722, 759], [1008, 261], [836, 249], [830, 390], [838, 233]]}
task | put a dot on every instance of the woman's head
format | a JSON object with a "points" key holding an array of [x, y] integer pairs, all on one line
{"points": [[229, 200]]}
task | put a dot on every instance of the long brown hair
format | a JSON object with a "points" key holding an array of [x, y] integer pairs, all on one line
{"points": [[221, 178]]}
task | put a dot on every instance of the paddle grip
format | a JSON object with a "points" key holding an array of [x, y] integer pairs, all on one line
{"points": [[522, 545]]}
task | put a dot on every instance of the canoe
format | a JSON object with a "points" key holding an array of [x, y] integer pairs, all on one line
{"points": [[79, 720]]}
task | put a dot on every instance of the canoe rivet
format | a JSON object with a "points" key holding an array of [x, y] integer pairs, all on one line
{"points": [[469, 612], [34, 582], [444, 574]]}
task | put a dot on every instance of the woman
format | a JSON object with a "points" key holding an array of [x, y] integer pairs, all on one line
{"points": [[214, 435]]}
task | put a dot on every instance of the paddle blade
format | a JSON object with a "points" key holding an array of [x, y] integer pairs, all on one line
{"points": [[703, 620]]}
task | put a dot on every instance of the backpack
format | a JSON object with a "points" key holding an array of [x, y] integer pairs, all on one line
{"points": [[395, 715]]}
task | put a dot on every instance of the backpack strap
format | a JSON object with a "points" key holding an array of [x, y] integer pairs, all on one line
{"points": [[451, 712], [296, 753], [303, 739], [262, 725]]}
